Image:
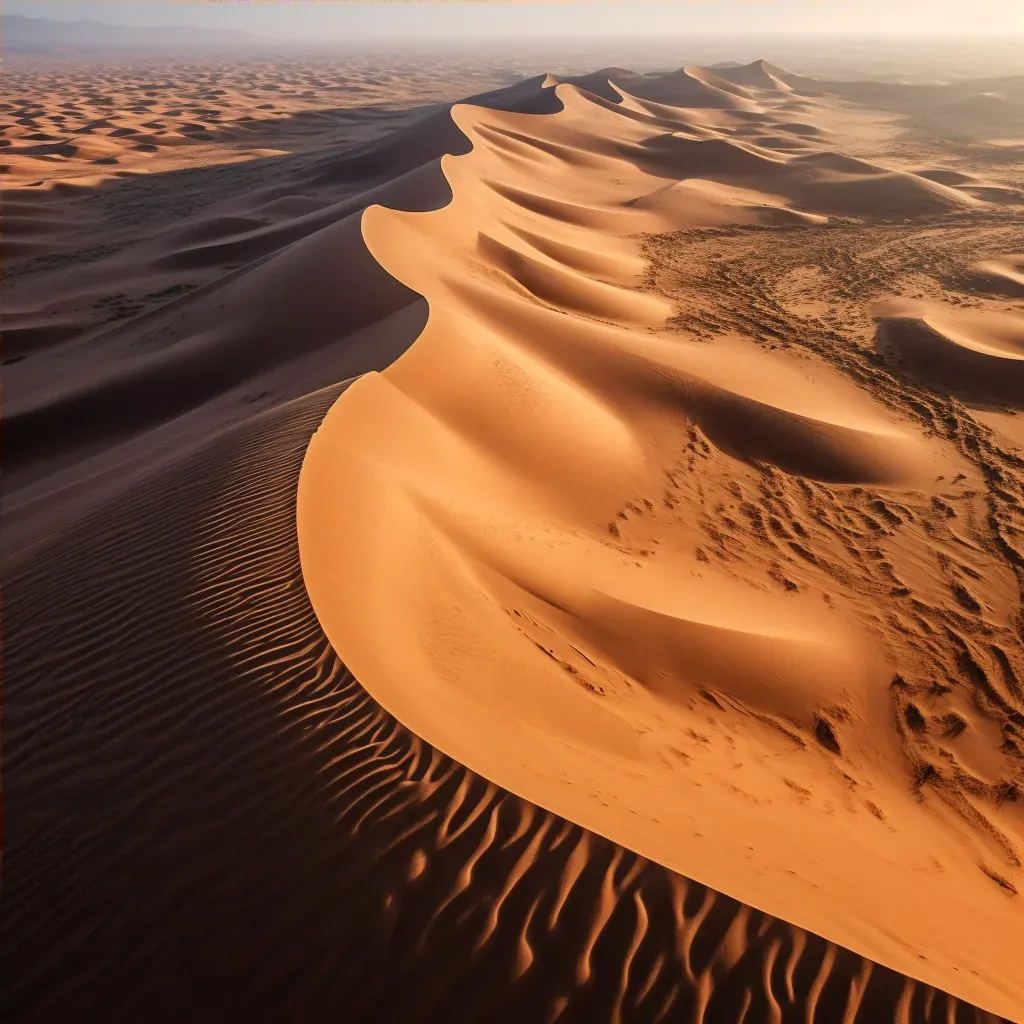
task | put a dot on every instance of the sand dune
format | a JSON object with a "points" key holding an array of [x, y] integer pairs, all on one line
{"points": [[979, 356], [759, 74], [986, 109], [693, 87], [555, 609], [992, 108], [1005, 275], [685, 622]]}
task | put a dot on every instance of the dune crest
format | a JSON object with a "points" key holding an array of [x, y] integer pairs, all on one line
{"points": [[505, 533]]}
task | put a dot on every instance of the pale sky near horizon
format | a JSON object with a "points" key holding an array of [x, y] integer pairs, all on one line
{"points": [[324, 19]]}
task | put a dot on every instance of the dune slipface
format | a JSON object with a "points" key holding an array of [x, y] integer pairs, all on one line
{"points": [[503, 535]]}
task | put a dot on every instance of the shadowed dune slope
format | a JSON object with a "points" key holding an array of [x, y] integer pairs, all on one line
{"points": [[494, 517], [308, 278]]}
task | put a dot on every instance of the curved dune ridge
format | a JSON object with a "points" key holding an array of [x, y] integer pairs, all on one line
{"points": [[977, 355], [759, 74], [498, 536], [289, 849]]}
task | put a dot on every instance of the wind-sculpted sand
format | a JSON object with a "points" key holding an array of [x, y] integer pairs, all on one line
{"points": [[641, 638]]}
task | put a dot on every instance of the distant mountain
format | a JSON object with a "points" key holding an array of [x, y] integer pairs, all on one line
{"points": [[42, 35]]}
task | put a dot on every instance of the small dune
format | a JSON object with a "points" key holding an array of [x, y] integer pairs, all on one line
{"points": [[1004, 275], [979, 356]]}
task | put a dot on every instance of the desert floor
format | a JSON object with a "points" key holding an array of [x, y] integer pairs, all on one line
{"points": [[551, 556]]}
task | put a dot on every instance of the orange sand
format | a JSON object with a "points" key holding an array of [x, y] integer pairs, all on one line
{"points": [[490, 537]]}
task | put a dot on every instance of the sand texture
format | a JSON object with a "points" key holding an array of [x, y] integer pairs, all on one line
{"points": [[556, 556]]}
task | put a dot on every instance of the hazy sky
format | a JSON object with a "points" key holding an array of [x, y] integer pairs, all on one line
{"points": [[461, 18]]}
